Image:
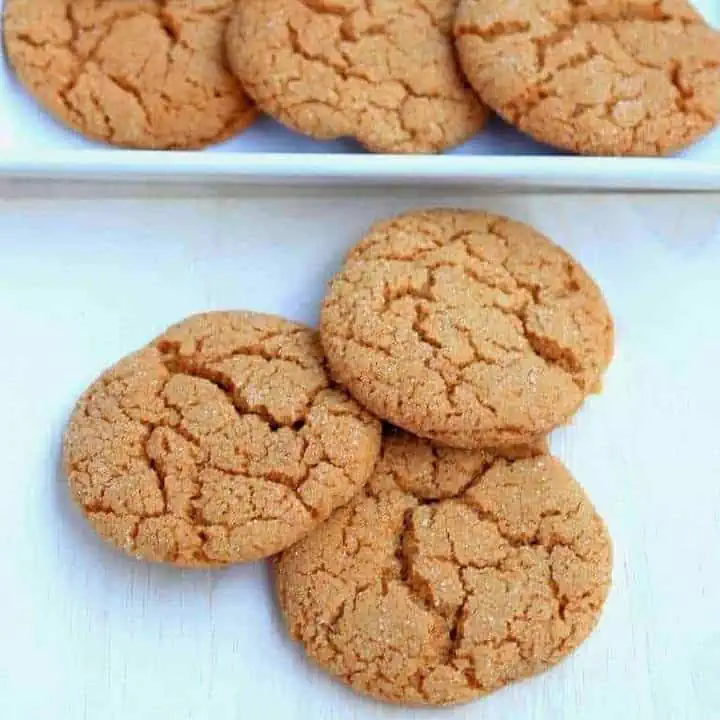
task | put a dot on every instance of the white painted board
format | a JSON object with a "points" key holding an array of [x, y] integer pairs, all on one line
{"points": [[87, 275]]}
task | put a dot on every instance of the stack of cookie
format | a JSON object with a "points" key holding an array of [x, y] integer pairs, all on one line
{"points": [[430, 549], [603, 77]]}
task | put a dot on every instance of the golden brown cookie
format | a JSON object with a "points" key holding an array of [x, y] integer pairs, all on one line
{"points": [[600, 77], [222, 441], [466, 328], [452, 574], [383, 73], [136, 73]]}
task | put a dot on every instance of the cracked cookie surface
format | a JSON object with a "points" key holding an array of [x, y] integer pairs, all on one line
{"points": [[466, 328], [135, 73], [602, 77], [452, 574], [222, 441], [384, 73]]}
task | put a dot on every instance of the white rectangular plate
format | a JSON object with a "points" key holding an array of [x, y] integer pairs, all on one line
{"points": [[34, 145]]}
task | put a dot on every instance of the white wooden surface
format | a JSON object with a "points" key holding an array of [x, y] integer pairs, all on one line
{"points": [[88, 274]]}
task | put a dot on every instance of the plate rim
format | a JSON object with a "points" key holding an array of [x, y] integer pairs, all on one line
{"points": [[569, 172]]}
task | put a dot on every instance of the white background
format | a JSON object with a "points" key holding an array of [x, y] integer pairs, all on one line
{"points": [[89, 274]]}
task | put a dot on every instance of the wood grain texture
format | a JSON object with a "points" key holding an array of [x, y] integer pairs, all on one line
{"points": [[88, 274]]}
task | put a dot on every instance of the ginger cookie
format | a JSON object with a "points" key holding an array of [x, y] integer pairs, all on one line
{"points": [[383, 73], [466, 328], [222, 441], [451, 575], [601, 77], [135, 73]]}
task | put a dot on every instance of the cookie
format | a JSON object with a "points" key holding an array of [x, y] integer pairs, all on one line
{"points": [[383, 73], [600, 77], [452, 574], [135, 73], [222, 441], [466, 328]]}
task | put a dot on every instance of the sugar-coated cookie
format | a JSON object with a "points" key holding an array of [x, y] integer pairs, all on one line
{"points": [[599, 77], [383, 73], [452, 574], [222, 441], [135, 73], [466, 328]]}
